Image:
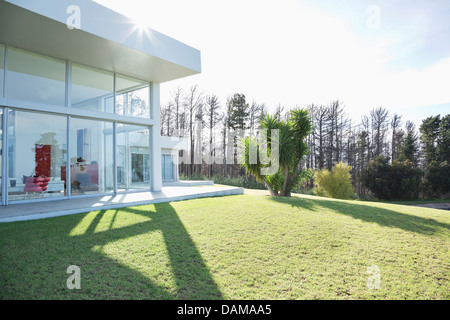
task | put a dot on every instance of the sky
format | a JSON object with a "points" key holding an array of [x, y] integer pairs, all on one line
{"points": [[365, 53]]}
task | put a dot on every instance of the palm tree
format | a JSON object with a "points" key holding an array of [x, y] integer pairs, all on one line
{"points": [[290, 142]]}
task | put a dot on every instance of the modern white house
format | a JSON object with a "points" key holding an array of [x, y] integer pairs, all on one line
{"points": [[80, 102]]}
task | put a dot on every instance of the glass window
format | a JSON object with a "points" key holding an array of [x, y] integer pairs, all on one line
{"points": [[91, 156], [92, 89], [133, 97], [35, 77], [37, 154], [2, 68], [133, 161], [162, 168], [167, 167]]}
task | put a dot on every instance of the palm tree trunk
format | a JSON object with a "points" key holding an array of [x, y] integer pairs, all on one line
{"points": [[285, 192], [272, 192]]}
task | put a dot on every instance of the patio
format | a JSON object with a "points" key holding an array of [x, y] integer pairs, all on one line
{"points": [[172, 191]]}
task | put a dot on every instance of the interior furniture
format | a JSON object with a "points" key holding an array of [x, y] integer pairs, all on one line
{"points": [[36, 184], [85, 182], [78, 177]]}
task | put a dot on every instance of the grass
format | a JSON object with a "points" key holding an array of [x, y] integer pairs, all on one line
{"points": [[237, 247]]}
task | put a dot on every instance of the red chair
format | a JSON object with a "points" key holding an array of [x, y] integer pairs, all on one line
{"points": [[36, 184]]}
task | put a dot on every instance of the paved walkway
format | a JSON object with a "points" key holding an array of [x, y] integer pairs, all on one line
{"points": [[170, 192], [441, 206]]}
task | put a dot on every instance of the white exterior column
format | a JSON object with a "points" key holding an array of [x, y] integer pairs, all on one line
{"points": [[155, 139]]}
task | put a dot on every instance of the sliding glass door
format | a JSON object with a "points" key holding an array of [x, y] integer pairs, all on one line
{"points": [[37, 151], [133, 157], [167, 168], [91, 156]]}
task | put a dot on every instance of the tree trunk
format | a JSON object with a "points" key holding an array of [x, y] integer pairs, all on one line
{"points": [[271, 191], [285, 192]]}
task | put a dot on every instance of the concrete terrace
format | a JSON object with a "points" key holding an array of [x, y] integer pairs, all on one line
{"points": [[172, 191]]}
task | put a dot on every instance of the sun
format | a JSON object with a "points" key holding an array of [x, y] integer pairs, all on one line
{"points": [[141, 23]]}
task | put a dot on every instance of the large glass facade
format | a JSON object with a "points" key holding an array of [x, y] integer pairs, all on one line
{"points": [[92, 89], [35, 77], [38, 78], [37, 153], [133, 158], [91, 156], [133, 98], [50, 153], [2, 68]]}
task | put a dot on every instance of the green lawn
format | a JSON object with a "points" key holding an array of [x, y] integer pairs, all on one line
{"points": [[237, 247]]}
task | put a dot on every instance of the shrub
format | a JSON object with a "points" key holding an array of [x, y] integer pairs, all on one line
{"points": [[336, 183], [240, 181], [376, 177], [406, 180], [437, 179], [303, 190], [397, 181], [276, 181], [196, 176]]}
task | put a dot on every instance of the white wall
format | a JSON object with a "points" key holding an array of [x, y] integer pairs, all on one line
{"points": [[174, 143], [155, 139]]}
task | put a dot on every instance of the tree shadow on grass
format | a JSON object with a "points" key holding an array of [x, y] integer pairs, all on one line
{"points": [[106, 276], [369, 213]]}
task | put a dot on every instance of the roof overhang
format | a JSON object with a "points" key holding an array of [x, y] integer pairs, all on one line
{"points": [[173, 143], [106, 39]]}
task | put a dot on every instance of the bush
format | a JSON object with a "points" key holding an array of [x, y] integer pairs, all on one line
{"points": [[240, 181], [196, 176], [336, 183], [406, 180], [303, 190], [397, 181], [376, 177], [276, 181], [437, 179]]}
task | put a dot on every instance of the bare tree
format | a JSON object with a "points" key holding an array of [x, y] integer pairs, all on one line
{"points": [[334, 111], [379, 120], [256, 113], [193, 101], [177, 108], [320, 116], [397, 136], [212, 117]]}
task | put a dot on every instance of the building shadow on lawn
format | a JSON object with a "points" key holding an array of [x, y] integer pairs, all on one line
{"points": [[106, 276], [192, 276], [368, 213]]}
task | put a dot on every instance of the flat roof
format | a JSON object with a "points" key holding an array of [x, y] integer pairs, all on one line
{"points": [[106, 39]]}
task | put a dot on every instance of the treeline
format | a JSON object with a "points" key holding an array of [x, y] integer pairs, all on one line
{"points": [[206, 123], [379, 136]]}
